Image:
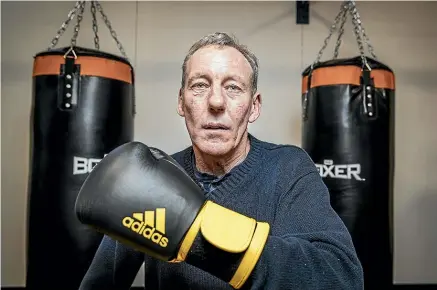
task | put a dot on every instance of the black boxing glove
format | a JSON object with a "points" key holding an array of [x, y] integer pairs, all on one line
{"points": [[141, 197]]}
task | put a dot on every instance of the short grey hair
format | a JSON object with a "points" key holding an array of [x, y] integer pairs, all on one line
{"points": [[222, 39]]}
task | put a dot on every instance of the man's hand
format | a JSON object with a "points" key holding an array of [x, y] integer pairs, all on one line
{"points": [[143, 198]]}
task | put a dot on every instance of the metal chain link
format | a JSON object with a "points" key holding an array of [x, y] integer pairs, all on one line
{"points": [[357, 32], [108, 24], [340, 34], [64, 25], [77, 26], [367, 40], [357, 19], [95, 26], [358, 29], [81, 5], [333, 28]]}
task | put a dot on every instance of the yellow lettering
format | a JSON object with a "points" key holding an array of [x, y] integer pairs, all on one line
{"points": [[146, 227], [127, 221], [163, 243], [136, 226], [156, 237], [148, 232], [142, 230]]}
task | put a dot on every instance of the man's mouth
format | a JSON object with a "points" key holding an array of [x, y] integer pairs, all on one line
{"points": [[215, 126]]}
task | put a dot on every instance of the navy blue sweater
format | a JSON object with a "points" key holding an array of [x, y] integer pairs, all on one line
{"points": [[309, 247]]}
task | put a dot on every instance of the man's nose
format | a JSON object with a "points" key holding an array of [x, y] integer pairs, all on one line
{"points": [[217, 100]]}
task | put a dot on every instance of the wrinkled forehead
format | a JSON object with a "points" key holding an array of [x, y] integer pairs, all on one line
{"points": [[219, 62]]}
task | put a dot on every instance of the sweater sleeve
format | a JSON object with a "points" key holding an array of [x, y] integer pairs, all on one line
{"points": [[114, 267], [309, 246]]}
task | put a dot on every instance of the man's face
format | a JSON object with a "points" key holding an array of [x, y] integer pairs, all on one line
{"points": [[217, 100]]}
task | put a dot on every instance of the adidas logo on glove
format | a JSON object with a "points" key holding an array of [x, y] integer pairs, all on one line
{"points": [[146, 225]]}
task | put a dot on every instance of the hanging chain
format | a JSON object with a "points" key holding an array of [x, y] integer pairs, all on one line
{"points": [[80, 6], [95, 26], [356, 20], [64, 25], [340, 33], [77, 26], [367, 40], [333, 28], [357, 32], [108, 24], [358, 29]]}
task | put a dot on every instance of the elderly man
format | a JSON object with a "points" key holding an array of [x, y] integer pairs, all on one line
{"points": [[269, 224]]}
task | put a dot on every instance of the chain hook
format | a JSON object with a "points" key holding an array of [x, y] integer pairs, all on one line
{"points": [[79, 10], [70, 50]]}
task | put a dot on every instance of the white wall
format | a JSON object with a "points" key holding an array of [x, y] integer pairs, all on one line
{"points": [[156, 36]]}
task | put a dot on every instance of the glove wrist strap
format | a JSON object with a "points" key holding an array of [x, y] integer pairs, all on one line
{"points": [[251, 256], [189, 238], [224, 243]]}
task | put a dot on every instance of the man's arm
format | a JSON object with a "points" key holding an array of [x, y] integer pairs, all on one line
{"points": [[114, 267], [306, 244], [309, 246]]}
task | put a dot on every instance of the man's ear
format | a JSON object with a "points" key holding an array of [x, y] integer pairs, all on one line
{"points": [[181, 103], [255, 110]]}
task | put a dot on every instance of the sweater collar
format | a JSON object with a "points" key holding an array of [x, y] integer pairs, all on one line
{"points": [[236, 175]]}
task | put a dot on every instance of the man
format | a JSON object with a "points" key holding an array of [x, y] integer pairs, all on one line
{"points": [[308, 246]]}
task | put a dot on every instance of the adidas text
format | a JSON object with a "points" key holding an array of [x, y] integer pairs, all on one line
{"points": [[146, 227]]}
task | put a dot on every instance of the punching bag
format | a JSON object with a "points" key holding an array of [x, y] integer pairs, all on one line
{"points": [[83, 107], [348, 131]]}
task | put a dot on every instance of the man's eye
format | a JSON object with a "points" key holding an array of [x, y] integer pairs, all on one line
{"points": [[200, 85], [233, 88]]}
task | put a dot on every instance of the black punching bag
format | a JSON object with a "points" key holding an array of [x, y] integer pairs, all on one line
{"points": [[348, 130], [83, 107]]}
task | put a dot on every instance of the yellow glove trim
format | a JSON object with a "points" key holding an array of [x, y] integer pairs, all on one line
{"points": [[251, 257], [226, 229], [231, 232], [188, 241]]}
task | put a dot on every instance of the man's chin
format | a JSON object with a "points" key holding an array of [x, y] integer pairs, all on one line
{"points": [[215, 146]]}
